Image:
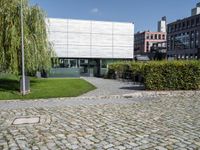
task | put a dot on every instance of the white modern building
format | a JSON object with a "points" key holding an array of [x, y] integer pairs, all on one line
{"points": [[196, 10], [162, 25], [90, 44]]}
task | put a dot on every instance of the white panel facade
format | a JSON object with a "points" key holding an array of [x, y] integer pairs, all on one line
{"points": [[60, 50], [123, 28], [58, 38], [101, 40], [122, 52], [84, 52], [101, 27], [122, 40], [57, 25], [75, 51], [78, 39], [79, 26], [97, 52], [91, 39]]}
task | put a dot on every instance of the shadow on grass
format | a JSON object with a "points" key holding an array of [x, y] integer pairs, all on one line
{"points": [[9, 85], [13, 84]]}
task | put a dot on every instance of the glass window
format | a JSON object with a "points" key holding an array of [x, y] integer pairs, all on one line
{"points": [[172, 28], [156, 36], [169, 29], [183, 25], [61, 62], [175, 27], [188, 23], [147, 47], [197, 20], [73, 63], [179, 26], [152, 36], [171, 46], [159, 36], [197, 39], [192, 22], [163, 37], [66, 64], [147, 36]]}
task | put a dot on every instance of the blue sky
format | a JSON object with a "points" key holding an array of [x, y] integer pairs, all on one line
{"points": [[144, 13]]}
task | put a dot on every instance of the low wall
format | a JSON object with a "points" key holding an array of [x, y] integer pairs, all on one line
{"points": [[64, 72]]}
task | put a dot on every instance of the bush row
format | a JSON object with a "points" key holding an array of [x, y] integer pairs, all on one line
{"points": [[159, 75]]}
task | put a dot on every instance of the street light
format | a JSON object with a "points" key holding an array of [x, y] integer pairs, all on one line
{"points": [[22, 49]]}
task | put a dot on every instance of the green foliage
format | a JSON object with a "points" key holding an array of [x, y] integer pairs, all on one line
{"points": [[164, 75], [37, 48], [175, 75], [118, 69]]}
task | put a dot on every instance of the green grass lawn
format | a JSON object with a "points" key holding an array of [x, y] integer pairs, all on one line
{"points": [[44, 88]]}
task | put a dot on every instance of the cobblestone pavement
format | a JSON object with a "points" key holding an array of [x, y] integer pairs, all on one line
{"points": [[145, 123], [107, 87]]}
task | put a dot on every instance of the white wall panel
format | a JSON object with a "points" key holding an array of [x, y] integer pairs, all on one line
{"points": [[99, 52], [84, 52], [122, 40], [75, 51], [123, 52], [58, 37], [74, 39], [129, 52], [79, 26], [101, 40], [57, 25], [102, 27], [59, 28], [123, 28], [53, 21], [60, 50], [78, 39]]}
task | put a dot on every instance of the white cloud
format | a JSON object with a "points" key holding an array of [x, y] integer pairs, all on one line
{"points": [[95, 10]]}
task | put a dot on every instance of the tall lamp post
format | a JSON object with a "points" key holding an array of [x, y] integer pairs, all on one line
{"points": [[22, 51]]}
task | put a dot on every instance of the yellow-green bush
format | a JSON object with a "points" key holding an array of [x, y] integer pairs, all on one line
{"points": [[174, 75], [162, 75], [118, 70]]}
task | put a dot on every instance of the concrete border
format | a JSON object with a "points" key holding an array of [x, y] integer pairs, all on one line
{"points": [[136, 94]]}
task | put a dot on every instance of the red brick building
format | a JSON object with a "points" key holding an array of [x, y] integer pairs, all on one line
{"points": [[145, 40]]}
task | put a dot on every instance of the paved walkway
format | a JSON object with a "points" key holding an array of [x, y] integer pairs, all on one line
{"points": [[107, 92], [107, 87], [147, 122]]}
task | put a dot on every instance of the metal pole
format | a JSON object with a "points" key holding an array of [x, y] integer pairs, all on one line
{"points": [[22, 48]]}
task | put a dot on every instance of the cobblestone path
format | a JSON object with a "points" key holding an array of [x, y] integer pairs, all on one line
{"points": [[146, 123]]}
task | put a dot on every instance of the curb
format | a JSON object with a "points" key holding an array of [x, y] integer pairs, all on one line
{"points": [[136, 94], [161, 94]]}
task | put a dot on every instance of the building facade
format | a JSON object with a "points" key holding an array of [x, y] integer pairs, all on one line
{"points": [[183, 37], [159, 51], [145, 40], [90, 44], [162, 25]]}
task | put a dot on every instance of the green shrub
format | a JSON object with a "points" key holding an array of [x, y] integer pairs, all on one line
{"points": [[118, 70], [174, 75], [162, 75]]}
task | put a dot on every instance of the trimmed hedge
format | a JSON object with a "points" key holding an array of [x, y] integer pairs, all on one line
{"points": [[160, 75]]}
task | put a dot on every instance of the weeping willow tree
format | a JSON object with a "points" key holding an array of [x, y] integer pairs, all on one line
{"points": [[38, 50]]}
